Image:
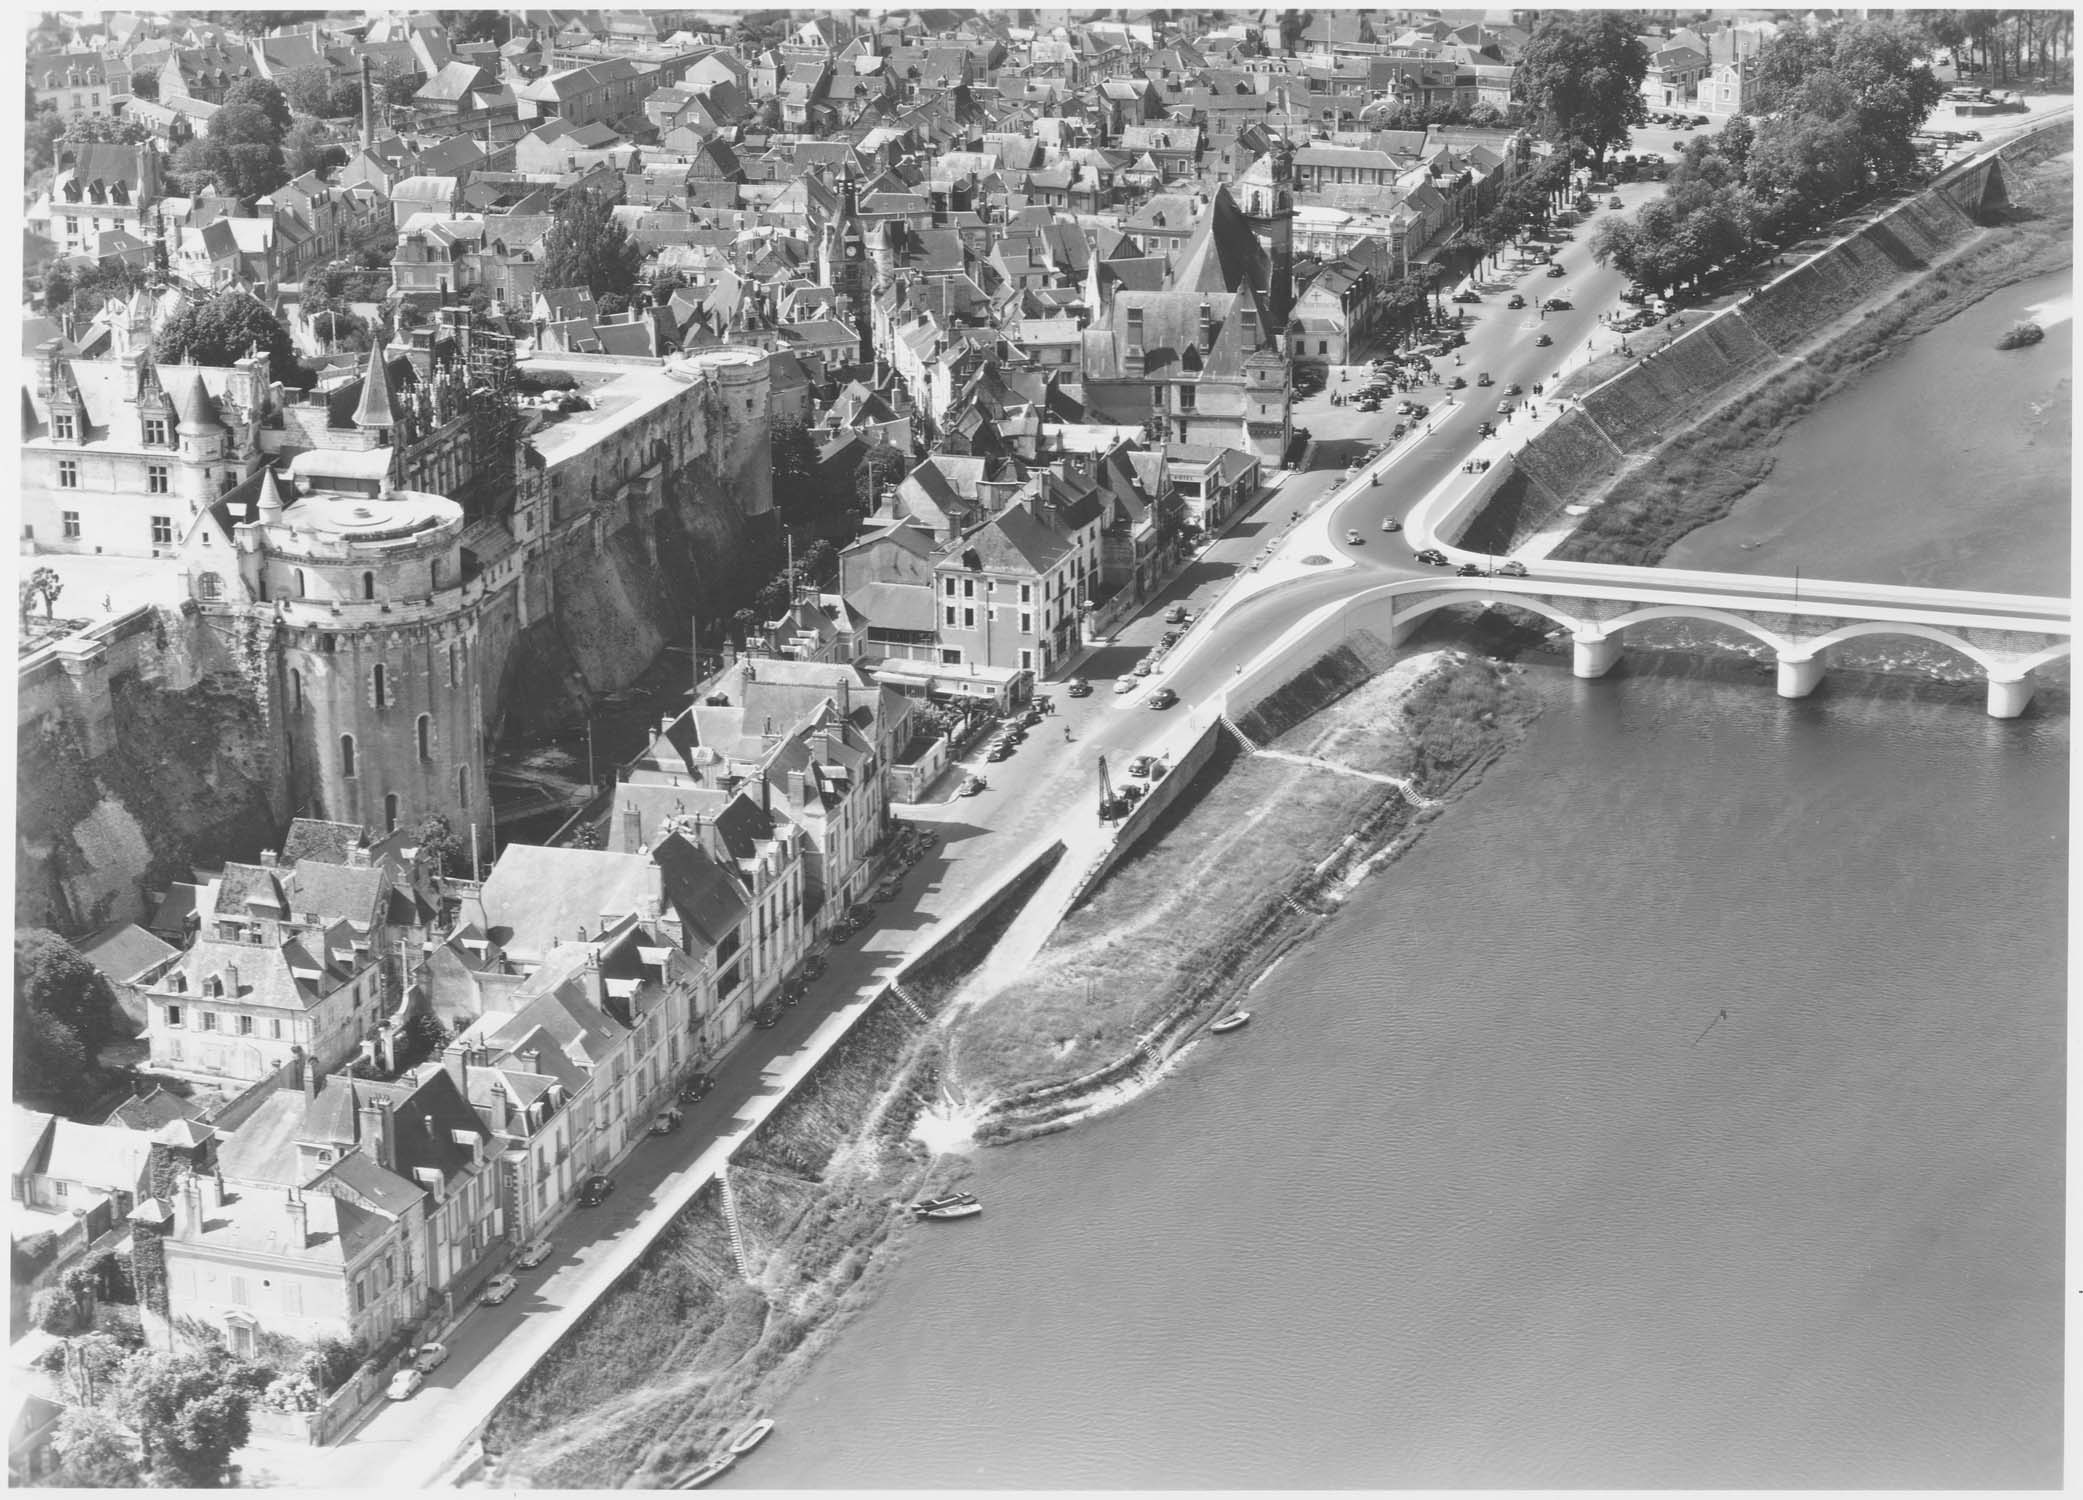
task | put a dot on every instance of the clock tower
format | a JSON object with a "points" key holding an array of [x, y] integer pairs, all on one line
{"points": [[847, 268]]}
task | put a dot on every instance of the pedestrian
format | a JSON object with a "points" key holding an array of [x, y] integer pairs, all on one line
{"points": [[1066, 734]]}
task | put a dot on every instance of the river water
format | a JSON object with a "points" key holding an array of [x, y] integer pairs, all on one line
{"points": [[1946, 465], [1684, 1109]]}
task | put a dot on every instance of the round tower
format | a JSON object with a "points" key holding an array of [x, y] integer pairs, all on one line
{"points": [[741, 442], [377, 664]]}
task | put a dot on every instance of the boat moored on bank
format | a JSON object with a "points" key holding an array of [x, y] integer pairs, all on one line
{"points": [[755, 1433], [1235, 1020], [713, 1470]]}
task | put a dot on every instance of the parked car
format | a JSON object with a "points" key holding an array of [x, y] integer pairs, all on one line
{"points": [[1517, 302], [999, 750], [1466, 296], [1169, 639], [1470, 570], [1556, 271], [667, 1121], [1486, 429], [1142, 765], [1145, 667], [404, 1384], [1079, 688], [498, 1289], [767, 1017], [428, 1357], [1614, 202], [533, 1254], [890, 889], [1164, 697], [1177, 615], [1433, 557], [1512, 568], [1369, 403], [972, 785], [1512, 389], [599, 1185], [814, 966], [1125, 683], [696, 1087]]}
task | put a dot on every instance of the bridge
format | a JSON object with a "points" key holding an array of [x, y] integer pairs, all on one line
{"points": [[2007, 636]]}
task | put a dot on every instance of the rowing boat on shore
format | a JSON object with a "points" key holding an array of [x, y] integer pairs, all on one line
{"points": [[713, 1469], [967, 1210], [1231, 1022], [945, 1200], [751, 1437]]}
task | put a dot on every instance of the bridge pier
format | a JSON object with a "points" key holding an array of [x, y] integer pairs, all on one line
{"points": [[2009, 695], [1799, 675], [1593, 655]]}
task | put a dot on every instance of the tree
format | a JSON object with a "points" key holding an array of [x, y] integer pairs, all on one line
{"points": [[323, 93], [259, 95], [474, 25], [46, 128], [94, 1452], [587, 247], [191, 1411], [795, 470], [144, 85], [241, 151], [396, 83], [46, 585], [221, 330], [1581, 75], [50, 1065], [83, 128], [57, 288], [55, 1311], [303, 150], [441, 848]]}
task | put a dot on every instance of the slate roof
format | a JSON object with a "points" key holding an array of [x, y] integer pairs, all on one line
{"points": [[535, 894]]}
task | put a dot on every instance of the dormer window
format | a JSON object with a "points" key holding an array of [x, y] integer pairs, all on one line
{"points": [[155, 430], [63, 425]]}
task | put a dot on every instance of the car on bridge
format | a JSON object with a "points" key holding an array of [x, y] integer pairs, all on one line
{"points": [[1433, 557], [1164, 697], [1511, 568], [1470, 570]]}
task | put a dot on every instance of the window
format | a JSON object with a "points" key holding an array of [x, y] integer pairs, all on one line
{"points": [[155, 430], [390, 821], [162, 531], [1135, 326], [969, 588], [301, 590], [381, 687], [1323, 346], [245, 1025], [347, 755], [209, 586], [173, 1015], [275, 1028], [368, 585], [426, 747], [1026, 623], [68, 474], [969, 619], [463, 785], [1026, 592], [951, 656], [72, 524], [1186, 398], [60, 1189], [296, 688], [950, 612], [157, 480], [455, 664], [61, 425], [209, 1020], [948, 587]]}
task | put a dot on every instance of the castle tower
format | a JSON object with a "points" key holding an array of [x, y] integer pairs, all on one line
{"points": [[844, 253], [376, 690], [740, 437], [1267, 196]]}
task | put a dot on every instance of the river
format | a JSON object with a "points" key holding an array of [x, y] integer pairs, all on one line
{"points": [[1685, 1109], [1946, 464]]}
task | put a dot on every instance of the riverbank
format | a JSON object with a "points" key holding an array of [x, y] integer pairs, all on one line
{"points": [[1348, 762], [1695, 479], [674, 1358]]}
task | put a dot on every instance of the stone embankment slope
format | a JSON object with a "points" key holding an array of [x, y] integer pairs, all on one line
{"points": [[1626, 423]]}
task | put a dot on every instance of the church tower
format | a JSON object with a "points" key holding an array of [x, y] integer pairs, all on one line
{"points": [[1266, 192], [846, 267]]}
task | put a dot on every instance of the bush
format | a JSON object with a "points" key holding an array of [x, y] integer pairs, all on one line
{"points": [[55, 1311]]}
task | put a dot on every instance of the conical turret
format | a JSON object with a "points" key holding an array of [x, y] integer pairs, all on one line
{"points": [[374, 413]]}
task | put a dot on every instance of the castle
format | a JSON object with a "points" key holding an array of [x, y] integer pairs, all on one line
{"points": [[366, 601]]}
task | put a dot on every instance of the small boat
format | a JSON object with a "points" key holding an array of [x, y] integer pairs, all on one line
{"points": [[1231, 1022], [967, 1210], [945, 1200], [751, 1437], [714, 1469]]}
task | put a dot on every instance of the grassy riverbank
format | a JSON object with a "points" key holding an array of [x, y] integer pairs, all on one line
{"points": [[1237, 870], [1698, 477]]}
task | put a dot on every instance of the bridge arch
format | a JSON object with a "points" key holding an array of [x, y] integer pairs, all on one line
{"points": [[1425, 604], [1729, 618], [1990, 665], [2042, 658]]}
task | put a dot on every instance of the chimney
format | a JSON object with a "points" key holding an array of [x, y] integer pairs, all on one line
{"points": [[632, 828], [1207, 327], [299, 1220], [306, 1072], [455, 1061], [798, 789], [531, 1059], [212, 1191], [267, 859], [375, 1116], [231, 981]]}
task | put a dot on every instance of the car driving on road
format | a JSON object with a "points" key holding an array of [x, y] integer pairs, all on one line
{"points": [[1164, 697], [1433, 557], [1352, 537], [499, 1288], [533, 1254]]}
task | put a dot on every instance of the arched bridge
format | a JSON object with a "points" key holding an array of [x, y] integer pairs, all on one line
{"points": [[2008, 636]]}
